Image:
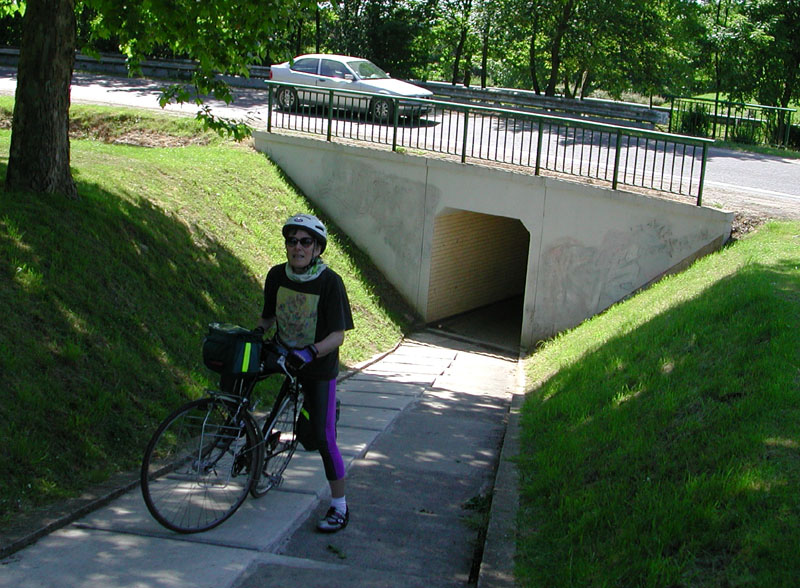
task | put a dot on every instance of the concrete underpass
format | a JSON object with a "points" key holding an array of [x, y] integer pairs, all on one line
{"points": [[539, 254]]}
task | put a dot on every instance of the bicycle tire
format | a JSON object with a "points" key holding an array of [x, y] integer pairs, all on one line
{"points": [[280, 441], [199, 465]]}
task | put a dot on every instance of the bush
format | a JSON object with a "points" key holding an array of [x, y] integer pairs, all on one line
{"points": [[745, 133], [794, 137], [694, 121]]}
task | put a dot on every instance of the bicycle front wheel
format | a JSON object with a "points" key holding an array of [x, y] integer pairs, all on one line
{"points": [[199, 465], [280, 442]]}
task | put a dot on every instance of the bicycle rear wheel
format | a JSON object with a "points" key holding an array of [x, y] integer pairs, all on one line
{"points": [[280, 442], [199, 465]]}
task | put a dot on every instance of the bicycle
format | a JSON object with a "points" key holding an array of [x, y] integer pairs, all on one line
{"points": [[206, 456]]}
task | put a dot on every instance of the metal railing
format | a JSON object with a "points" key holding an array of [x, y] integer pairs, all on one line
{"points": [[609, 111], [613, 154], [750, 124]]}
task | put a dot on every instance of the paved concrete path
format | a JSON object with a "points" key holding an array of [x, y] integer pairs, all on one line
{"points": [[421, 430]]}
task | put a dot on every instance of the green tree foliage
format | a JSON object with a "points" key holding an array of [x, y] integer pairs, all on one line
{"points": [[387, 32], [746, 49], [458, 31], [760, 53], [573, 46], [219, 35]]}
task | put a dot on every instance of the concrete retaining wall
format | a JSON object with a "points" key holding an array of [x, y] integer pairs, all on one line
{"points": [[588, 246]]}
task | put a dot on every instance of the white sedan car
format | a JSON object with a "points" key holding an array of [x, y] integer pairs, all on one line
{"points": [[339, 72]]}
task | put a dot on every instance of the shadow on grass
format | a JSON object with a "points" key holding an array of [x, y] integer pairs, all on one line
{"points": [[106, 301], [670, 456]]}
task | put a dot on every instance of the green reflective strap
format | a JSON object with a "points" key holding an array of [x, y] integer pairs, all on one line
{"points": [[246, 358], [304, 412]]}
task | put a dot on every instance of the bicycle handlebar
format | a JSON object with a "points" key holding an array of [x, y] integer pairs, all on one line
{"points": [[282, 352]]}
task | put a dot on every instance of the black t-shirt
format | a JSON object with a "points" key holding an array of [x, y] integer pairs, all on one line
{"points": [[307, 312]]}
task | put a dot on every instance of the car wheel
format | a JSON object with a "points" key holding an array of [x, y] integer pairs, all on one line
{"points": [[287, 98], [382, 109]]}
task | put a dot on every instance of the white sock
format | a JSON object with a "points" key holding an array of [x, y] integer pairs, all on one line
{"points": [[340, 504]]}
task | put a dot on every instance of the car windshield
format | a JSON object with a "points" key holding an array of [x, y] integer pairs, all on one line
{"points": [[367, 70]]}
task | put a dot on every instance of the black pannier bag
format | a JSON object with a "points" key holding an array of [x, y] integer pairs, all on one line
{"points": [[305, 432], [231, 350]]}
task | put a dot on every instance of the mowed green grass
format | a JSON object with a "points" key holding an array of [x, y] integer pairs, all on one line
{"points": [[106, 299], [661, 439]]}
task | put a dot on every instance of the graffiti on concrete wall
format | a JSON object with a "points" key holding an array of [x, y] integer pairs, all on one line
{"points": [[578, 280], [384, 213]]}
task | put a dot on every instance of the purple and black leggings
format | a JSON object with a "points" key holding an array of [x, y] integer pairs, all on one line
{"points": [[320, 401]]}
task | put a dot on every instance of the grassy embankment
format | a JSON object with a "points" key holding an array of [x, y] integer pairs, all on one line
{"points": [[106, 299], [661, 439]]}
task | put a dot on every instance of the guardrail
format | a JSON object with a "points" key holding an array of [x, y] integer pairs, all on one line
{"points": [[572, 146], [587, 108], [115, 65], [613, 154], [739, 122]]}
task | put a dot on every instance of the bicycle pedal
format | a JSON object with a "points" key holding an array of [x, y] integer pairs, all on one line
{"points": [[274, 439]]}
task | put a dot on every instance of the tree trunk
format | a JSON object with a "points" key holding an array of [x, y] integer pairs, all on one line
{"points": [[788, 90], [532, 50], [462, 39], [485, 53], [791, 67], [298, 39], [532, 65], [567, 90], [316, 25], [38, 159], [555, 49], [586, 82]]}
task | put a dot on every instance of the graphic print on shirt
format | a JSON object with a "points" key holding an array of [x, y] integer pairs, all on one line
{"points": [[297, 317]]}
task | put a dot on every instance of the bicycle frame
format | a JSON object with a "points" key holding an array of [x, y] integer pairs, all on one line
{"points": [[217, 445]]}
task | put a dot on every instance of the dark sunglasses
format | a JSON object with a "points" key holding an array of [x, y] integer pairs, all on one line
{"points": [[305, 241]]}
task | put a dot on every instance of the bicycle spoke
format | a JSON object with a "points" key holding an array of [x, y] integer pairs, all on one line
{"points": [[280, 442], [198, 467]]}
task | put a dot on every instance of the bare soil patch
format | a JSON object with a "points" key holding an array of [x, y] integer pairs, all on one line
{"points": [[751, 210], [138, 137]]}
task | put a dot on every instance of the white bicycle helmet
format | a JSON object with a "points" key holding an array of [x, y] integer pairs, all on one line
{"points": [[310, 224]]}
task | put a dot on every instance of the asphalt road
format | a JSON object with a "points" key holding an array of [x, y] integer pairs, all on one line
{"points": [[745, 182], [757, 182]]}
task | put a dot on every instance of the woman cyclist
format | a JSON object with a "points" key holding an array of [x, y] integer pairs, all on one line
{"points": [[307, 302]]}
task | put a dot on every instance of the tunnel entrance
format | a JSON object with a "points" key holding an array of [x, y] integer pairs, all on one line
{"points": [[477, 278], [497, 325]]}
